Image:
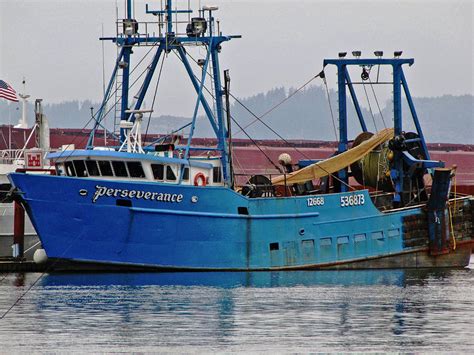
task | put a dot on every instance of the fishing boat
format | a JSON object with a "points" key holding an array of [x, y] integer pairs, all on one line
{"points": [[166, 206]]}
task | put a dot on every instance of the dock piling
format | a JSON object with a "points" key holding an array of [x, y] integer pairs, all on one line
{"points": [[18, 231]]}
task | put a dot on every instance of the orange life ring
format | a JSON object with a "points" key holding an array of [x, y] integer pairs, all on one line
{"points": [[199, 179]]}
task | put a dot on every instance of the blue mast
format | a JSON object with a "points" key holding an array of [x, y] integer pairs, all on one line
{"points": [[401, 157], [125, 65], [200, 31]]}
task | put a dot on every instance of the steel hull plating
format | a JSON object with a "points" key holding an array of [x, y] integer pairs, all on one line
{"points": [[185, 227]]}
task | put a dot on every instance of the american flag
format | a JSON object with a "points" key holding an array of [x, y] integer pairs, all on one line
{"points": [[7, 92]]}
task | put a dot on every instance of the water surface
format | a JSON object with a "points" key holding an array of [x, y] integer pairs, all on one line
{"points": [[379, 310]]}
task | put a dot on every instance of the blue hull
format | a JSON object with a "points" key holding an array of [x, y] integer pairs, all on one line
{"points": [[187, 227]]}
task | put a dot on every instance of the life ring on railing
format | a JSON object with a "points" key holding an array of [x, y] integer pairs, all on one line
{"points": [[200, 179]]}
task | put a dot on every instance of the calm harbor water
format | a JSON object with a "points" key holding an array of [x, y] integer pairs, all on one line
{"points": [[382, 310]]}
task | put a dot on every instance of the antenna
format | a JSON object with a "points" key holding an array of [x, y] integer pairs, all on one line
{"points": [[103, 84]]}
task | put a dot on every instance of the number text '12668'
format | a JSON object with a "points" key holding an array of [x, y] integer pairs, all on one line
{"points": [[315, 201]]}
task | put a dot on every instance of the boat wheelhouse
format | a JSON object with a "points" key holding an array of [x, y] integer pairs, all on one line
{"points": [[152, 167]]}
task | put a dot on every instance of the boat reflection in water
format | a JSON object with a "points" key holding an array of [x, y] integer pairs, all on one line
{"points": [[399, 278], [363, 310]]}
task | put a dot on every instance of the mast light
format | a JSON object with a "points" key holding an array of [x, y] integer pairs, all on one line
{"points": [[130, 27]]}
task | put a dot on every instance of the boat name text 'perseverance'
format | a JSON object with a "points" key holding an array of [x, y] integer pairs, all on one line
{"points": [[138, 194]]}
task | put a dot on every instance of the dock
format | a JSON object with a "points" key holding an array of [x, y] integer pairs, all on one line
{"points": [[10, 264]]}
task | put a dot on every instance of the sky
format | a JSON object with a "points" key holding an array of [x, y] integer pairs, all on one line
{"points": [[54, 44]]}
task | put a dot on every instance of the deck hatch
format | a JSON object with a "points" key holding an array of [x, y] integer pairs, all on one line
{"points": [[377, 236], [394, 233], [360, 244], [325, 241], [307, 248], [343, 240]]}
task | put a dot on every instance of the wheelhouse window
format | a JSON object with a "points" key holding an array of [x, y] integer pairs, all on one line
{"points": [[216, 174], [59, 169], [120, 169], [105, 168], [135, 169], [158, 171], [170, 175], [80, 168], [69, 167], [186, 174], [92, 168]]}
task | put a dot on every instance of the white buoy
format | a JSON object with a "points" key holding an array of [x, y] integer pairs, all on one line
{"points": [[40, 256]]}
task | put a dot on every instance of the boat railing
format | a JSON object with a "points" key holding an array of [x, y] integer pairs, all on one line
{"points": [[143, 29], [260, 185], [10, 156], [18, 156], [150, 30]]}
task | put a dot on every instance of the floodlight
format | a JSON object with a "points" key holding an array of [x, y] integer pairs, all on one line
{"points": [[197, 27], [356, 53], [378, 53], [130, 27], [397, 54], [342, 54]]}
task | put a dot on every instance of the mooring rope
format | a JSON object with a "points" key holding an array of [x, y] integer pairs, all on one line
{"points": [[47, 270]]}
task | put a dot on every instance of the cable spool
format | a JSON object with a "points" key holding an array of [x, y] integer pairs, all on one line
{"points": [[258, 186], [373, 169]]}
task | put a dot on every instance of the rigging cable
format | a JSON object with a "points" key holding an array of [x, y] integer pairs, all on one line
{"points": [[323, 76], [258, 119], [238, 125], [377, 101], [282, 102], [118, 87], [154, 97], [47, 270], [254, 142], [368, 102], [293, 145], [93, 117]]}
